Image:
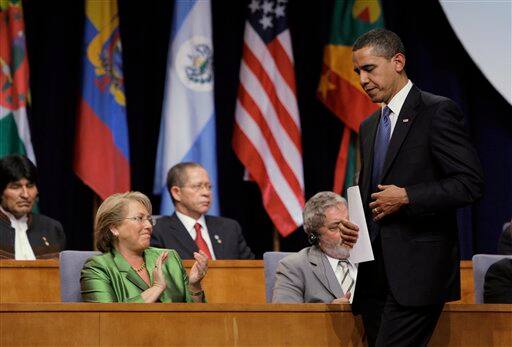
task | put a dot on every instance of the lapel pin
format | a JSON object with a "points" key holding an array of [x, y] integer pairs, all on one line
{"points": [[406, 120], [217, 238], [45, 241]]}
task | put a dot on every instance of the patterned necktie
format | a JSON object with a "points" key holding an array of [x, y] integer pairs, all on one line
{"points": [[380, 147], [200, 242], [347, 282]]}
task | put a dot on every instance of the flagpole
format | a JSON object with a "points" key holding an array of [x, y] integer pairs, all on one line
{"points": [[276, 240]]}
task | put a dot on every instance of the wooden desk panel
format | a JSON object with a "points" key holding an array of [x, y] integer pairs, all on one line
{"points": [[227, 281], [228, 325], [467, 283], [29, 281], [233, 281]]}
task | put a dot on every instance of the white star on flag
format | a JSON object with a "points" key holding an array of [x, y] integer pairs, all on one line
{"points": [[254, 6], [267, 7], [266, 22], [279, 11]]}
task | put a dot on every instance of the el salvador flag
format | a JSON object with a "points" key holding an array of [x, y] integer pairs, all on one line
{"points": [[187, 127]]}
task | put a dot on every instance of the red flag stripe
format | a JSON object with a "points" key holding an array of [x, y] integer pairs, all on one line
{"points": [[341, 162], [267, 134], [259, 93], [260, 50], [94, 137], [285, 67], [276, 177], [251, 108], [273, 204], [268, 87]]}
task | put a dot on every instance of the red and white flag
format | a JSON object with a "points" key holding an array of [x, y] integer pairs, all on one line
{"points": [[267, 133]]}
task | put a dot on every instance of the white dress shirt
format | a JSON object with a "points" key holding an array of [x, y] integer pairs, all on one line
{"points": [[396, 103], [189, 223], [352, 270], [22, 248]]}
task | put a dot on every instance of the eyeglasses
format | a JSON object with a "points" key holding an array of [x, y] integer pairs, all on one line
{"points": [[200, 186], [141, 219]]}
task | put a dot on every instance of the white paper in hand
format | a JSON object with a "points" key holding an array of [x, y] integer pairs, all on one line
{"points": [[362, 250]]}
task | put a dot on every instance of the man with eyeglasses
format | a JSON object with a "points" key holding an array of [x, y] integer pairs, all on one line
{"points": [[323, 272], [189, 229]]}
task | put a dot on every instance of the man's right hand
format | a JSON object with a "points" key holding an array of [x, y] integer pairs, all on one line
{"points": [[349, 233], [345, 299]]}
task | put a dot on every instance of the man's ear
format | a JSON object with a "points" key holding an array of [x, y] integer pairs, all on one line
{"points": [[399, 61], [176, 193]]}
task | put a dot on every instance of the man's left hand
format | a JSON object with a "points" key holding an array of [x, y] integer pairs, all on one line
{"points": [[389, 200]]}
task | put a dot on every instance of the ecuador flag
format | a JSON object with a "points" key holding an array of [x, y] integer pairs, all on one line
{"points": [[339, 87], [102, 158]]}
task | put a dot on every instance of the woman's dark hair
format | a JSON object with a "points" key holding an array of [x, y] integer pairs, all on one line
{"points": [[15, 167]]}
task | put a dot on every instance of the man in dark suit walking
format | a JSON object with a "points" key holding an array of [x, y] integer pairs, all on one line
{"points": [[189, 229], [417, 167]]}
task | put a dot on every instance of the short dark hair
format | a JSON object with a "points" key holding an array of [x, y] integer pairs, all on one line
{"points": [[385, 43], [15, 167], [177, 175]]}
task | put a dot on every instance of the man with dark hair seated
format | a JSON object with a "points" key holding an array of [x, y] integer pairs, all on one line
{"points": [[24, 235], [505, 241], [498, 279], [498, 283]]}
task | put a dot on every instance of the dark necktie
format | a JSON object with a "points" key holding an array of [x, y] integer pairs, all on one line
{"points": [[380, 147], [200, 242]]}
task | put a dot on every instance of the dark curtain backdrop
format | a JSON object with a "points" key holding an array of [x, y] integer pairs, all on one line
{"points": [[436, 62]]}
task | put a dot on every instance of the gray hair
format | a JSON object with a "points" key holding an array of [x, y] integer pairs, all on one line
{"points": [[314, 211], [385, 43]]}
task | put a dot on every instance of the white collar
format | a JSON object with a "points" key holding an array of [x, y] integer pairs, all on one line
{"points": [[397, 102], [189, 222], [13, 219], [334, 262]]}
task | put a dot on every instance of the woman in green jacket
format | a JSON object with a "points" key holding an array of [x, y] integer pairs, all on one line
{"points": [[129, 270]]}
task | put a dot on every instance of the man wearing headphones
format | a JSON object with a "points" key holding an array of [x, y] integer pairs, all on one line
{"points": [[322, 272]]}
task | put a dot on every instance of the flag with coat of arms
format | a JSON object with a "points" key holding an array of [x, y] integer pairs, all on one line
{"points": [[14, 82], [187, 126]]}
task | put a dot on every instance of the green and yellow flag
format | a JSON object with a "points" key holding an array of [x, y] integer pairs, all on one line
{"points": [[14, 82], [339, 87]]}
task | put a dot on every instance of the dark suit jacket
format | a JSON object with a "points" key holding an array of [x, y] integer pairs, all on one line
{"points": [[225, 234], [45, 235], [498, 283], [431, 156]]}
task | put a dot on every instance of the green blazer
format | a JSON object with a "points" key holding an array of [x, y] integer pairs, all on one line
{"points": [[109, 278]]}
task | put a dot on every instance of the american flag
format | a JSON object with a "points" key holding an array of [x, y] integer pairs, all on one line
{"points": [[267, 133]]}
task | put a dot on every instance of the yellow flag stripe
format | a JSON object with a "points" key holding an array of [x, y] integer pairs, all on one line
{"points": [[339, 59], [101, 14]]}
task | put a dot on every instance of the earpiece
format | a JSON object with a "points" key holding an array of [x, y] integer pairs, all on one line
{"points": [[313, 239]]}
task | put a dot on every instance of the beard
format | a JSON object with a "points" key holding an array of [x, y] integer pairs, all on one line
{"points": [[335, 250]]}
